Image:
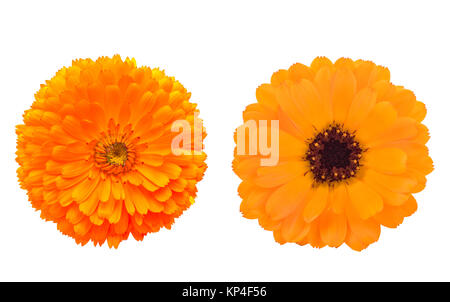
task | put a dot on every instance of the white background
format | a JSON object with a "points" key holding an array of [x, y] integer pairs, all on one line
{"points": [[221, 51]]}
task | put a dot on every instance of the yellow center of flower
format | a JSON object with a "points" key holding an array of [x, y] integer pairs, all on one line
{"points": [[115, 151], [334, 155], [117, 154]]}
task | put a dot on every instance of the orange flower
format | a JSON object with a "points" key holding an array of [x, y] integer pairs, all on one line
{"points": [[351, 154], [95, 151]]}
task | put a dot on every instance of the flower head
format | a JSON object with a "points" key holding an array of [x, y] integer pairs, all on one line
{"points": [[351, 154], [95, 151]]}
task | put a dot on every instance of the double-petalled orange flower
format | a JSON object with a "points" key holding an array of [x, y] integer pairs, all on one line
{"points": [[351, 154], [95, 151]]}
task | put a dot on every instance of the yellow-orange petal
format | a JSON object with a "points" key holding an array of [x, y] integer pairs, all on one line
{"points": [[294, 228], [75, 168], [254, 204], [338, 198], [156, 176], [290, 109], [320, 62], [418, 111], [104, 189], [389, 196], [310, 103], [360, 108], [381, 118], [273, 176], [343, 89], [265, 95], [404, 128], [361, 233], [316, 203], [333, 228], [364, 199], [287, 198], [387, 160], [82, 191]]}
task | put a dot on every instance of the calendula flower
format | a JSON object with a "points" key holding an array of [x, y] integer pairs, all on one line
{"points": [[95, 151], [351, 154]]}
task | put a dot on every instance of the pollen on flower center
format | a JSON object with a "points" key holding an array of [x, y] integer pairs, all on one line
{"points": [[117, 154], [334, 155]]}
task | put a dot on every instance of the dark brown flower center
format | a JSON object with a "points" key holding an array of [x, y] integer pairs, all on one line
{"points": [[334, 155]]}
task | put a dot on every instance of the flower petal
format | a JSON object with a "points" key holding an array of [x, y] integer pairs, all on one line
{"points": [[361, 106], [343, 89], [381, 118], [387, 160], [364, 199], [273, 176], [155, 176], [389, 197], [333, 228], [288, 197], [316, 203], [404, 128]]}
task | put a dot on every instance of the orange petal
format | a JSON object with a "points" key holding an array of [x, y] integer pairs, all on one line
{"points": [[163, 114], [320, 62], [379, 120], [294, 227], [178, 185], [392, 216], [285, 199], [112, 101], [288, 106], [253, 206], [298, 72], [122, 225], [316, 203], [269, 177], [362, 232], [338, 198], [403, 128], [82, 227], [155, 176], [72, 126], [163, 194], [153, 205], [137, 198], [106, 209], [75, 168], [310, 103], [397, 183], [89, 206], [403, 101], [418, 112], [151, 159], [82, 191], [389, 197], [104, 189], [290, 146], [364, 199], [387, 160], [265, 96], [333, 228], [361, 106], [343, 89], [171, 170], [313, 237]]}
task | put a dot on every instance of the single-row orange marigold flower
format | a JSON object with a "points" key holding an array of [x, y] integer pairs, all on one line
{"points": [[351, 154], [95, 151]]}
